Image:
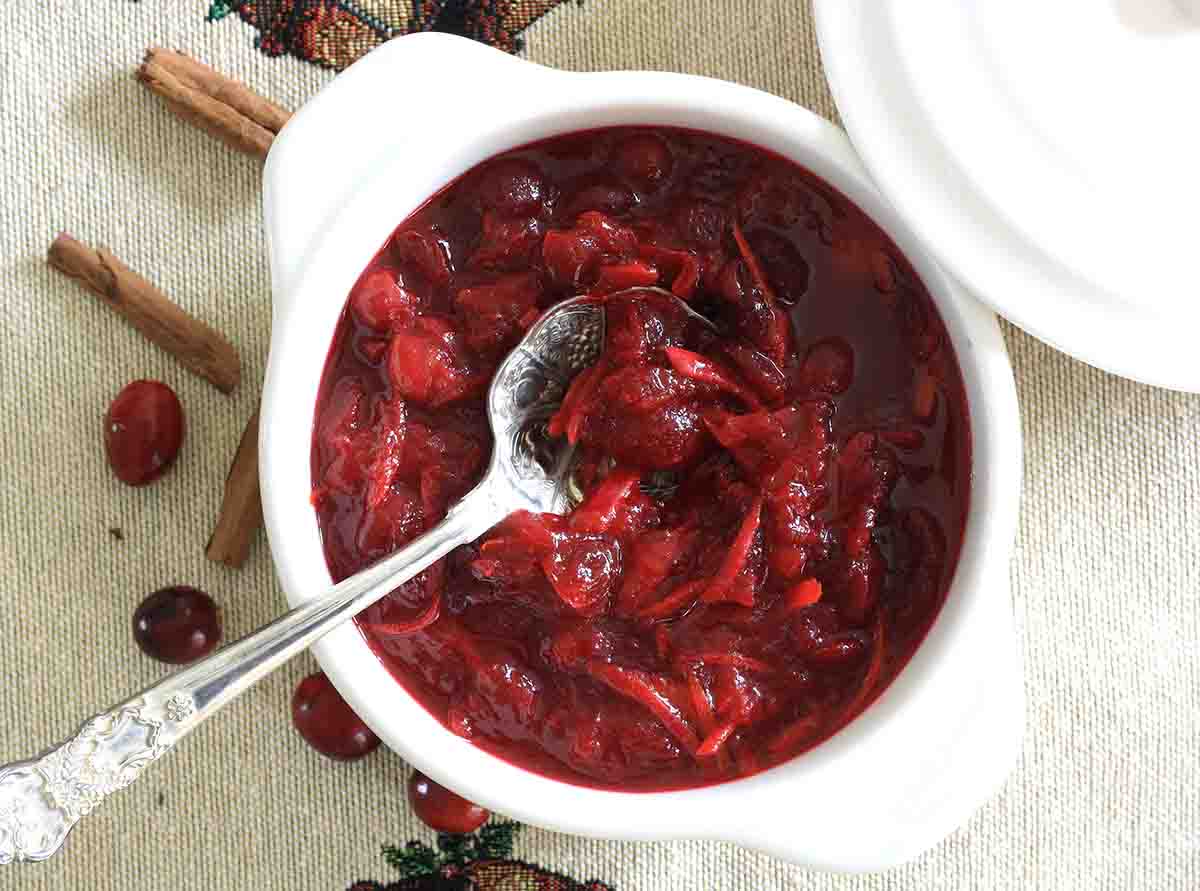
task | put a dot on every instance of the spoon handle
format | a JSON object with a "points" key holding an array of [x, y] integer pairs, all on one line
{"points": [[41, 799]]}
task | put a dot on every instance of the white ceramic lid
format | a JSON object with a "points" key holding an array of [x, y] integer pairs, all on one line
{"points": [[1049, 155]]}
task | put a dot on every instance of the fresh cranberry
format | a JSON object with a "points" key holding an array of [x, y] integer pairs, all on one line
{"points": [[440, 809], [327, 722], [177, 625], [143, 431]]}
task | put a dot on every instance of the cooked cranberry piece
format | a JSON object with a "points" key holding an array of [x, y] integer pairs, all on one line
{"points": [[867, 470], [584, 570], [647, 417], [740, 573], [327, 722], [511, 690], [924, 395], [429, 363], [506, 243], [785, 268], [769, 508], [644, 159], [424, 251], [840, 651], [511, 187], [613, 506], [602, 195], [702, 223], [772, 446], [621, 276], [497, 314], [574, 647], [381, 301], [828, 367], [641, 323], [705, 370], [922, 327], [656, 560], [574, 255], [757, 369], [342, 448], [440, 809], [395, 520], [143, 431], [926, 556], [177, 625], [779, 198]]}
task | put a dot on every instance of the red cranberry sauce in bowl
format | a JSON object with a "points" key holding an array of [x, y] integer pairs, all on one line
{"points": [[771, 513]]}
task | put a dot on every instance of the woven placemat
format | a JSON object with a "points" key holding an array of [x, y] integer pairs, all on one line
{"points": [[1106, 575]]}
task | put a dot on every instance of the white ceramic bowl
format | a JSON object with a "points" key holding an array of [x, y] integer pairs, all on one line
{"points": [[368, 150]]}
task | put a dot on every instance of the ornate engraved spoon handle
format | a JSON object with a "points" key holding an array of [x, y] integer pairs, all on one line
{"points": [[42, 799]]}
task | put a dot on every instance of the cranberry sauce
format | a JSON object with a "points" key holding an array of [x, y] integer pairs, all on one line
{"points": [[771, 514]]}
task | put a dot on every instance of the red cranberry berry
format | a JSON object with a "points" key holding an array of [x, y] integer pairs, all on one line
{"points": [[327, 722], [442, 810], [143, 431], [177, 625]]}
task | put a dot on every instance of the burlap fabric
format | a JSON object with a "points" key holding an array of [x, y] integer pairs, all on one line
{"points": [[1106, 573]]}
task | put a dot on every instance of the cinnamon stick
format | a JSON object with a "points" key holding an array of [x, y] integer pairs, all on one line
{"points": [[221, 107], [199, 347], [241, 507], [224, 89]]}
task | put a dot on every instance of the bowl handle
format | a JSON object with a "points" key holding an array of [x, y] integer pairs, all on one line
{"points": [[911, 782], [332, 145]]}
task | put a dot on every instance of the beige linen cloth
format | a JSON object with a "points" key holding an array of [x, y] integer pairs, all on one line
{"points": [[1105, 576]]}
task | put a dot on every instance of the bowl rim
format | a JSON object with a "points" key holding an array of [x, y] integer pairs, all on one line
{"points": [[345, 242]]}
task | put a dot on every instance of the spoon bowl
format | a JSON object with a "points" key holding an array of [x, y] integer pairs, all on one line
{"points": [[526, 391]]}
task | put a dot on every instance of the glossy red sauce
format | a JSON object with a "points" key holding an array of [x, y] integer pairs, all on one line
{"points": [[816, 450]]}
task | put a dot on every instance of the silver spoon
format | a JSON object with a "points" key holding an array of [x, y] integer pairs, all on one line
{"points": [[42, 799]]}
